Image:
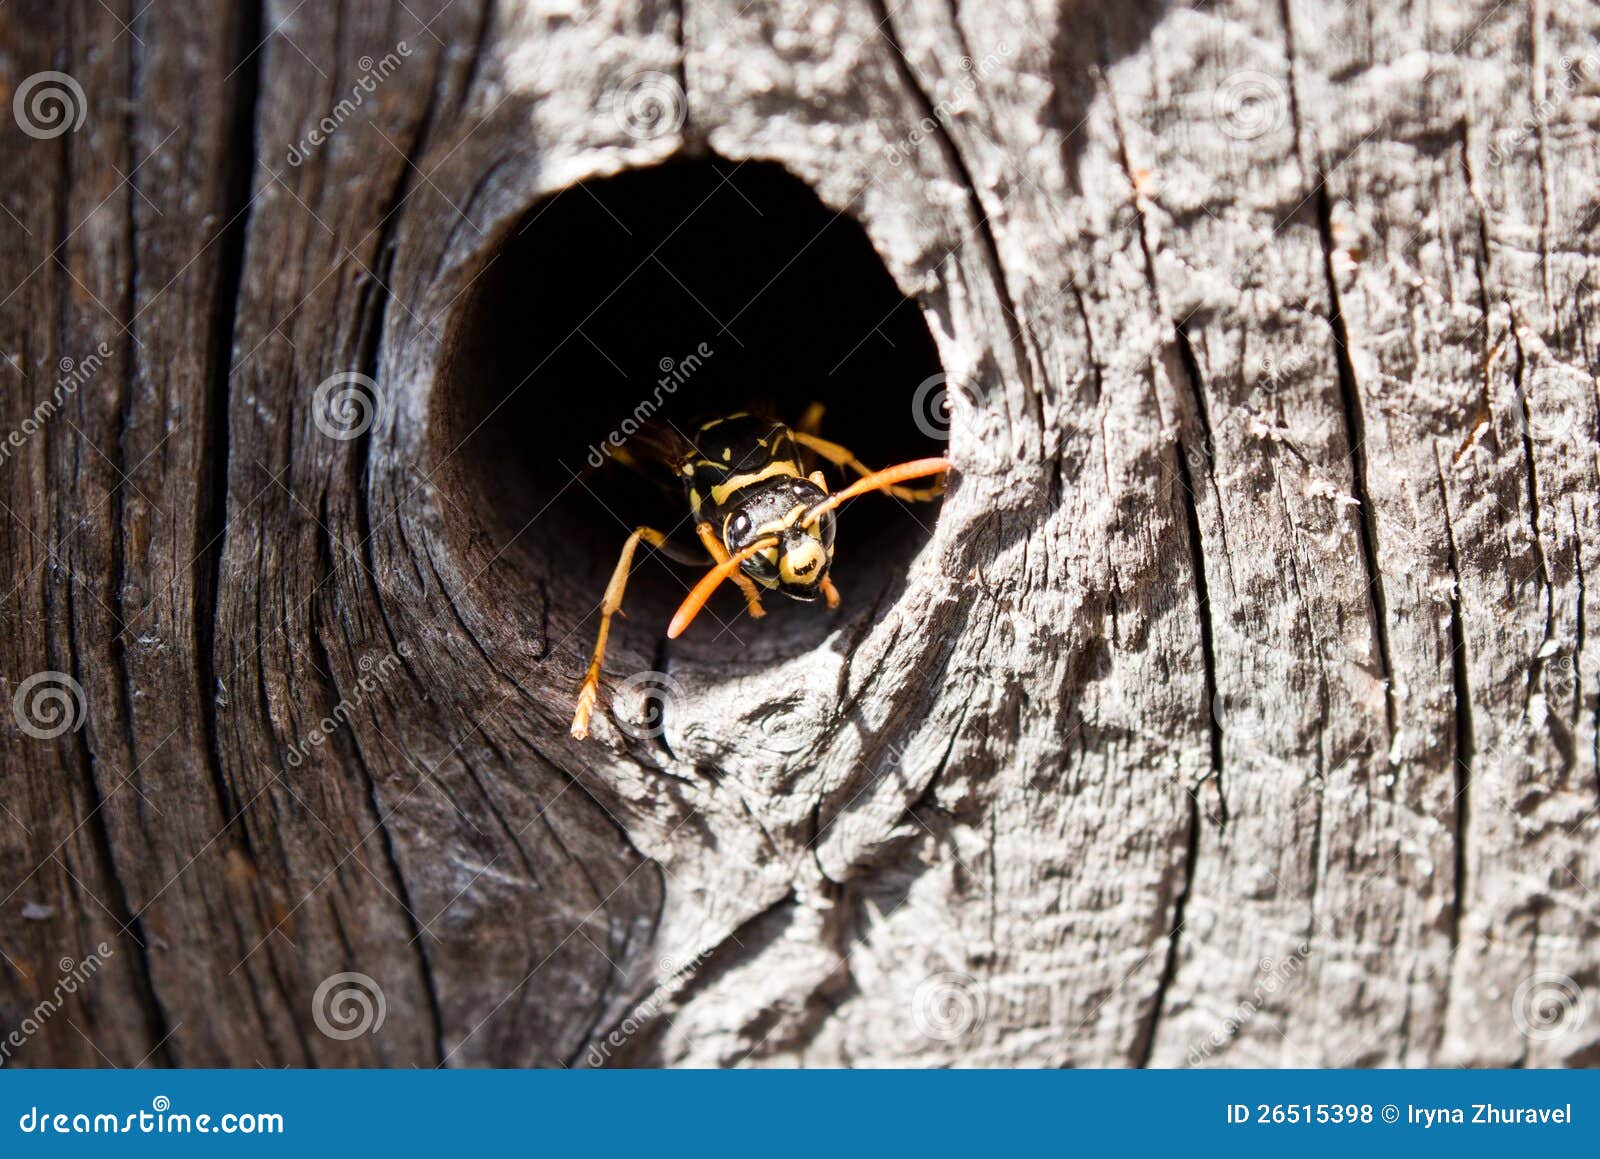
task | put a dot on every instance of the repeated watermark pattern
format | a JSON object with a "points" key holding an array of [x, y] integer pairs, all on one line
{"points": [[373, 675], [345, 405], [931, 408], [73, 374], [1249, 104], [674, 373], [1552, 409], [1273, 976], [649, 105], [348, 1005], [373, 74], [49, 704], [647, 1009], [1548, 1006], [48, 105], [948, 1005], [641, 701], [955, 94], [1576, 73], [73, 976]]}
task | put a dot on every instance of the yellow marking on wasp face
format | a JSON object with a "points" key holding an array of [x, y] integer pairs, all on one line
{"points": [[720, 492], [801, 562], [727, 454]]}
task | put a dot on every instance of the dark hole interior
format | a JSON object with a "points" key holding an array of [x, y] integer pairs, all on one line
{"points": [[699, 288]]}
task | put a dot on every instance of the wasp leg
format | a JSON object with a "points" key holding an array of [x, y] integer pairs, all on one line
{"points": [[589, 690], [830, 593], [811, 422], [841, 457], [752, 594]]}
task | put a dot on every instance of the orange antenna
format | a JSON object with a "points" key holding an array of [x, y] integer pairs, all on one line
{"points": [[877, 481], [697, 597]]}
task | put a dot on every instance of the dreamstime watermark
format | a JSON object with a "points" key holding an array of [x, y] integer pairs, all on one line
{"points": [[373, 74], [1548, 1006], [647, 1009], [73, 975], [646, 716], [674, 373], [1249, 104], [48, 104], [649, 105], [1273, 373], [345, 405], [373, 674], [49, 704], [349, 1004], [73, 373], [1562, 393], [931, 410], [1234, 721], [1274, 976], [948, 1005], [963, 87], [1566, 670], [1575, 73], [160, 1119]]}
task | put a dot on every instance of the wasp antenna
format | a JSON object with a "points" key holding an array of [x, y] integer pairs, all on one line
{"points": [[701, 592], [877, 481]]}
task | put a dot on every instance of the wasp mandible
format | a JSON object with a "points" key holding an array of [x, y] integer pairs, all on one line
{"points": [[763, 520]]}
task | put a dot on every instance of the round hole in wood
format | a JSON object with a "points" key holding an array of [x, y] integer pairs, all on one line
{"points": [[659, 297]]}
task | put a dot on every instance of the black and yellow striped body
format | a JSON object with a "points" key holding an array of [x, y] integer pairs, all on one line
{"points": [[745, 478]]}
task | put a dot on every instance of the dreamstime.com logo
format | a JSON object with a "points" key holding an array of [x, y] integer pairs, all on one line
{"points": [[930, 404], [948, 1005], [373, 674], [160, 1119], [345, 405], [955, 94], [674, 373], [1249, 104], [1576, 76], [646, 715], [73, 975], [73, 373], [48, 104], [649, 105], [49, 704], [674, 978], [1275, 975], [1548, 1006], [348, 1005], [373, 74]]}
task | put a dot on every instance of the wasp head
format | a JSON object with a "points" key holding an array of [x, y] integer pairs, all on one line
{"points": [[797, 561]]}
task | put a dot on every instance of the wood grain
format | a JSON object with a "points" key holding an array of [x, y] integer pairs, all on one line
{"points": [[1237, 708]]}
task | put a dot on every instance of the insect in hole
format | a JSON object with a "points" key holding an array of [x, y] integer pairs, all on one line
{"points": [[763, 520]]}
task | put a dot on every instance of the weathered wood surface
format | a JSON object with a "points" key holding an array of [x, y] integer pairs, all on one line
{"points": [[1239, 710]]}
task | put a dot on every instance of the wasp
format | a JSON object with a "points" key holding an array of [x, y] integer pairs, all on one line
{"points": [[763, 520]]}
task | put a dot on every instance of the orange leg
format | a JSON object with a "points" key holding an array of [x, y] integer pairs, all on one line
{"points": [[841, 457], [589, 690], [830, 593], [752, 593], [811, 422]]}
